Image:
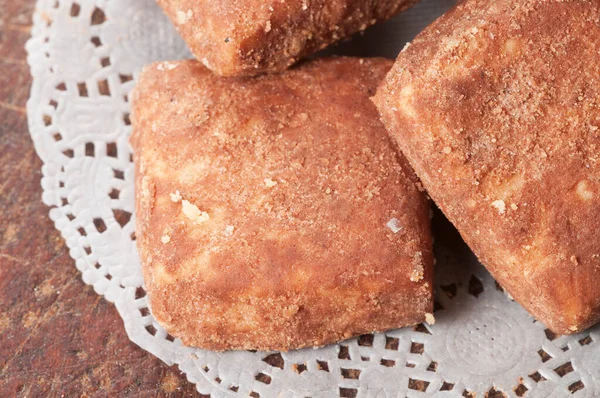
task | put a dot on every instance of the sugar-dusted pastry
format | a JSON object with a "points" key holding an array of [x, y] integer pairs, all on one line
{"points": [[495, 106], [248, 37], [275, 212]]}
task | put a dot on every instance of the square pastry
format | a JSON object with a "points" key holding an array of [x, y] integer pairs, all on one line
{"points": [[248, 37], [495, 106], [275, 212]]}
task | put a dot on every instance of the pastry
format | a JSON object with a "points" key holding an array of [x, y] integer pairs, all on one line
{"points": [[275, 212], [248, 37], [495, 106]]}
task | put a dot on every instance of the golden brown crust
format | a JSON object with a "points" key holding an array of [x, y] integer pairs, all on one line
{"points": [[495, 105], [248, 37], [262, 207]]}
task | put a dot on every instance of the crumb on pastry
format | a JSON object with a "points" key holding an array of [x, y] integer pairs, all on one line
{"points": [[193, 213], [269, 183], [499, 205], [176, 197], [429, 318]]}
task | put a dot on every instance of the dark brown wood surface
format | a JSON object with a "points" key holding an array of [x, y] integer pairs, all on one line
{"points": [[57, 337]]}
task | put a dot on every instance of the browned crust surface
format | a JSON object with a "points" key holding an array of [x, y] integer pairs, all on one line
{"points": [[298, 180], [248, 37], [495, 105]]}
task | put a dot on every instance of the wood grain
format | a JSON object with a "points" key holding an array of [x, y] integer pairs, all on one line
{"points": [[57, 337]]}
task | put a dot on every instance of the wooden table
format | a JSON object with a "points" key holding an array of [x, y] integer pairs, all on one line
{"points": [[57, 337]]}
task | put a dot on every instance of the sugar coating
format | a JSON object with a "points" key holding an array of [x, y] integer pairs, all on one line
{"points": [[495, 105], [275, 193]]}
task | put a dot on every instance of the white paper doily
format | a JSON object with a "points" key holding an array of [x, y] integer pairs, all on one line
{"points": [[84, 57]]}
